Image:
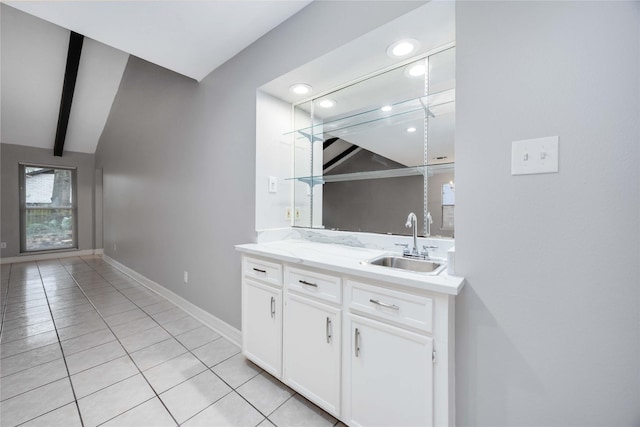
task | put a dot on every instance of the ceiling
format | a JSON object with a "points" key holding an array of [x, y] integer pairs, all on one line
{"points": [[433, 25], [191, 38]]}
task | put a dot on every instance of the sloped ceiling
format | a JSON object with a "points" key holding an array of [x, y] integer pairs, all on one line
{"points": [[188, 37], [34, 54]]}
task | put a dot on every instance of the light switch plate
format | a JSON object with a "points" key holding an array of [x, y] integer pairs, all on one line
{"points": [[273, 184], [533, 156]]}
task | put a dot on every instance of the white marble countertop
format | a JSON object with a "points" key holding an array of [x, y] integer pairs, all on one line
{"points": [[348, 260]]}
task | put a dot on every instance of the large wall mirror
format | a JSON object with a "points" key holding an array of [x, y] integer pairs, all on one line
{"points": [[372, 151]]}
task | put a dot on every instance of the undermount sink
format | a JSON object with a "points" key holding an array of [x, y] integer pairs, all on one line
{"points": [[410, 264]]}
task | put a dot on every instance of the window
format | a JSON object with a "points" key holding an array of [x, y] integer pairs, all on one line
{"points": [[448, 204], [48, 208]]}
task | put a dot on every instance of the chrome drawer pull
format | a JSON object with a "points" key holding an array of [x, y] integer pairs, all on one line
{"points": [[384, 304], [329, 333], [304, 282], [357, 343], [258, 270], [273, 307]]}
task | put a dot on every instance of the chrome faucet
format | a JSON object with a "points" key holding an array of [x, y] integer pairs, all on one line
{"points": [[412, 222]]}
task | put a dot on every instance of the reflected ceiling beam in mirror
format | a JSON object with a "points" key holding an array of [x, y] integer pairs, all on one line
{"points": [[339, 157], [327, 143]]}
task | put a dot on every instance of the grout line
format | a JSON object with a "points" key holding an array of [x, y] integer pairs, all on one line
{"points": [[4, 305], [213, 403], [2, 342], [34, 366], [131, 409], [99, 364], [36, 387], [118, 340], [187, 350], [124, 348], [98, 268], [73, 391], [41, 415]]}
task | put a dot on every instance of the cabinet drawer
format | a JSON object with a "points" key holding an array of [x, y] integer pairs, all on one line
{"points": [[266, 271], [321, 286], [386, 304]]}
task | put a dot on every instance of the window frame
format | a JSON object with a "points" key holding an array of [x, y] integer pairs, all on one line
{"points": [[23, 207]]}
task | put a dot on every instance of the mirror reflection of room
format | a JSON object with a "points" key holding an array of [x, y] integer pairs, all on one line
{"points": [[382, 147]]}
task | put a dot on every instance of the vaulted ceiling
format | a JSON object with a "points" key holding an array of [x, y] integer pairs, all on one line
{"points": [[189, 37]]}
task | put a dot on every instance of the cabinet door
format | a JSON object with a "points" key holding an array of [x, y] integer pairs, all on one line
{"points": [[391, 376], [262, 325], [312, 342]]}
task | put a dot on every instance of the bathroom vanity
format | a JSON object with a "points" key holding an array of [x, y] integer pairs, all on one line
{"points": [[370, 344]]}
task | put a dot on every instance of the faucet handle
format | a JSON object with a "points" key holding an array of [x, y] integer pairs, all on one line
{"points": [[405, 246], [425, 250]]}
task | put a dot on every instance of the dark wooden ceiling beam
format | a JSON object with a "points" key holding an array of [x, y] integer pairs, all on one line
{"points": [[68, 87], [340, 156]]}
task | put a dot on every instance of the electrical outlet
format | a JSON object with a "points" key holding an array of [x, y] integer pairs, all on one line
{"points": [[115, 247], [287, 213], [298, 214], [185, 277], [3, 245]]}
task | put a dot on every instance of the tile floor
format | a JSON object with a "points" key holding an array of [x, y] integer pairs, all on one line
{"points": [[83, 344]]}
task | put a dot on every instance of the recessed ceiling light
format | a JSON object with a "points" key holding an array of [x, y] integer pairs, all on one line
{"points": [[327, 103], [415, 70], [402, 48], [387, 108], [411, 129], [300, 89]]}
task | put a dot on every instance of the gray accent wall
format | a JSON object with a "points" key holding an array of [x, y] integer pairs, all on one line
{"points": [[178, 157], [381, 205], [11, 156], [548, 325], [371, 205]]}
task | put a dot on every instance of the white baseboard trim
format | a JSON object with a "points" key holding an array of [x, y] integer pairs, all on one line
{"points": [[50, 255], [218, 325]]}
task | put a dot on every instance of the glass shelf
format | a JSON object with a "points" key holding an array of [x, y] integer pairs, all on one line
{"points": [[399, 112], [387, 173]]}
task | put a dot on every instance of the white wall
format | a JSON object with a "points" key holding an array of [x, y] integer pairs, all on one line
{"points": [[273, 158], [548, 325]]}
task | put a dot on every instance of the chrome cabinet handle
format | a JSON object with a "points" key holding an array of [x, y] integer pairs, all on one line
{"points": [[258, 270], [304, 282], [273, 307], [357, 343], [384, 304], [329, 331]]}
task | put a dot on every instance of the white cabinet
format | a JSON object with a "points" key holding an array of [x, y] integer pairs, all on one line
{"points": [[391, 375], [312, 344], [262, 315], [361, 349]]}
